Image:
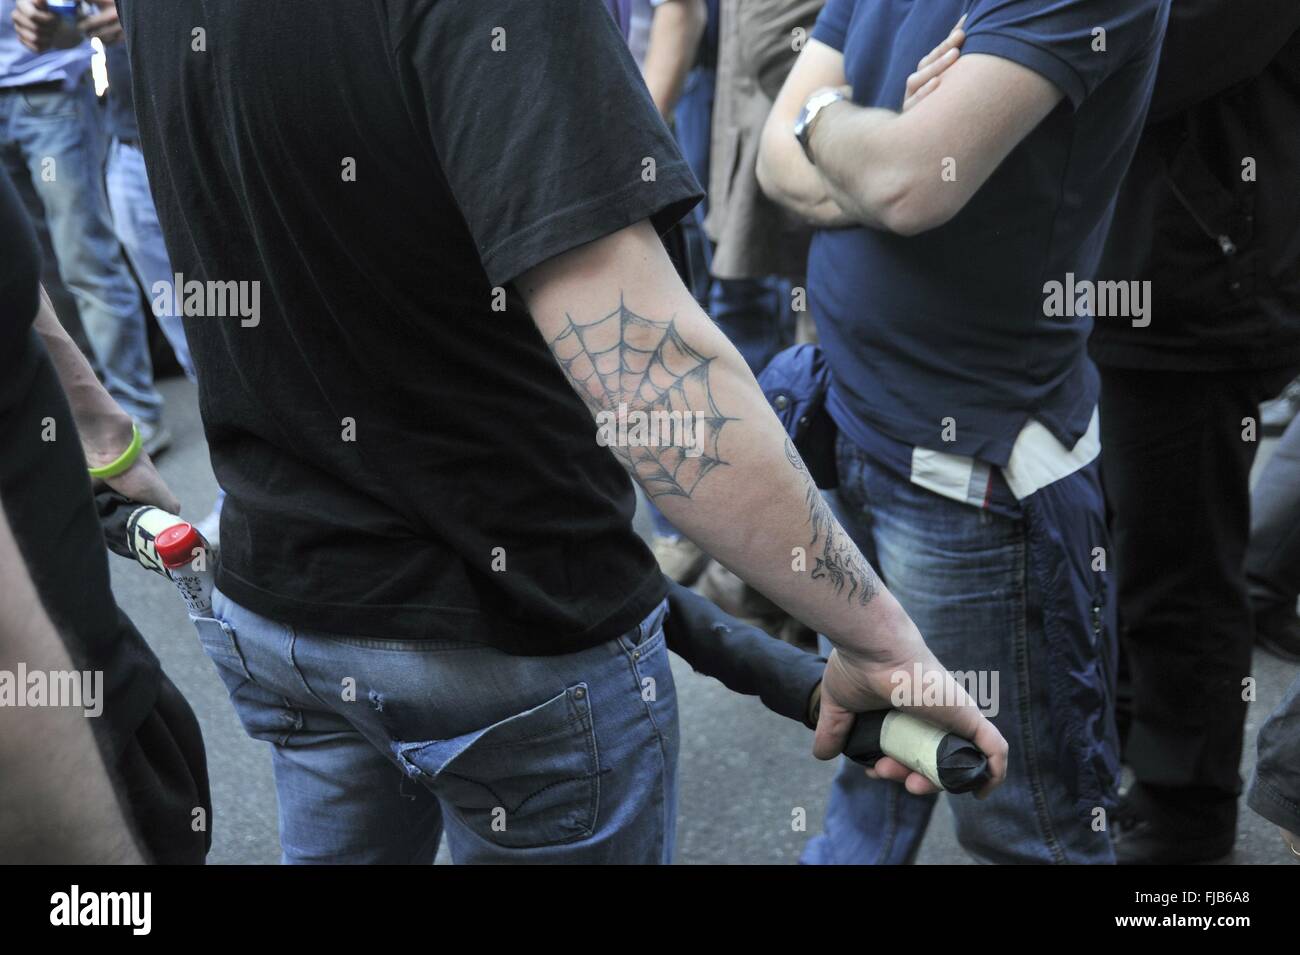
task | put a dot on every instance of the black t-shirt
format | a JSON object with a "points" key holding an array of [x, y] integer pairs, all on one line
{"points": [[401, 459], [46, 495]]}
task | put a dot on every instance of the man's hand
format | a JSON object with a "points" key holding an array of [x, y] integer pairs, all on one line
{"points": [[926, 78], [856, 682], [141, 482], [104, 25], [40, 30]]}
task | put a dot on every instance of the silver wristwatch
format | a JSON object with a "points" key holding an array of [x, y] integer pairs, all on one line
{"points": [[803, 126]]}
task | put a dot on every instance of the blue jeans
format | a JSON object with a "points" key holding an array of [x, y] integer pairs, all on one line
{"points": [[136, 222], [380, 745], [967, 578], [56, 138]]}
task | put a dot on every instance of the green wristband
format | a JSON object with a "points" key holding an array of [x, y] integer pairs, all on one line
{"points": [[123, 463]]}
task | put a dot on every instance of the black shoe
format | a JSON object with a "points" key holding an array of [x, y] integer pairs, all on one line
{"points": [[1145, 837], [1277, 630]]}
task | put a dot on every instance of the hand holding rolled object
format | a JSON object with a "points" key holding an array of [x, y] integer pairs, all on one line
{"points": [[952, 763]]}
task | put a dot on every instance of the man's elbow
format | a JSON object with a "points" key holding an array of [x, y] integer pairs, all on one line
{"points": [[768, 167], [909, 205]]}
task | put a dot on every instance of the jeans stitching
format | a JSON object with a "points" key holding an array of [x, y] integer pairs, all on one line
{"points": [[293, 665], [1028, 736], [633, 663]]}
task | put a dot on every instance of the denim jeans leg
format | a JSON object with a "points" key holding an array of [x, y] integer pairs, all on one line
{"points": [[750, 314], [962, 575], [136, 222], [61, 137]]}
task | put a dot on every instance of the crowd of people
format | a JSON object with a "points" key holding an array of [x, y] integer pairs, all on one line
{"points": [[945, 396]]}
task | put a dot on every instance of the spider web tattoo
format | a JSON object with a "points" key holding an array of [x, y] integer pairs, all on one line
{"points": [[626, 361], [839, 562]]}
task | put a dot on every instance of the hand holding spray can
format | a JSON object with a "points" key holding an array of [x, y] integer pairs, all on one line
{"points": [[136, 531]]}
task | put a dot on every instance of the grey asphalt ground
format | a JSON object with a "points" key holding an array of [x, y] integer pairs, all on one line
{"points": [[743, 771]]}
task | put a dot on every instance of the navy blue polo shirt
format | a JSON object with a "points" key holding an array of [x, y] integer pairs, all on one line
{"points": [[951, 324]]}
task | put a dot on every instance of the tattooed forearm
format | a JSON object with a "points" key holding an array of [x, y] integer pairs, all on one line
{"points": [[837, 559], [650, 394]]}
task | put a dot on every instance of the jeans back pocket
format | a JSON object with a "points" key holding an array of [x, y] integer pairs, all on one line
{"points": [[528, 781]]}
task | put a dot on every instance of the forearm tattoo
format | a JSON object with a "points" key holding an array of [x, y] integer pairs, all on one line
{"points": [[650, 394], [837, 559]]}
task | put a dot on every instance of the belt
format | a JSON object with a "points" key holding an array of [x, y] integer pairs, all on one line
{"points": [[49, 86]]}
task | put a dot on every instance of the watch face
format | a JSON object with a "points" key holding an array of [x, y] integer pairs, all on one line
{"points": [[815, 104]]}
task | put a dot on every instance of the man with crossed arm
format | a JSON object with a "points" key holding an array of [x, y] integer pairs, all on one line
{"points": [[954, 180], [431, 601]]}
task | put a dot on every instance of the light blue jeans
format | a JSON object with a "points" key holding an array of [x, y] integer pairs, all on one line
{"points": [[136, 222], [380, 745], [56, 138]]}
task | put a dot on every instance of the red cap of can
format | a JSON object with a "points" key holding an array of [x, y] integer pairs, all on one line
{"points": [[175, 546]]}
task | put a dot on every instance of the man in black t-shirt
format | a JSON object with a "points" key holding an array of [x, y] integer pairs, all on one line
{"points": [[417, 245]]}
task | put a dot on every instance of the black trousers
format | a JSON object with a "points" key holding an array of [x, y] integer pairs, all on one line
{"points": [[1176, 467]]}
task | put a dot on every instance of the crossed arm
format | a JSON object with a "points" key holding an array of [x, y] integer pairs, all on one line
{"points": [[885, 169]]}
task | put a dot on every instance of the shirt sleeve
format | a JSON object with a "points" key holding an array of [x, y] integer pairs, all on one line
{"points": [[833, 23], [542, 126], [1075, 44]]}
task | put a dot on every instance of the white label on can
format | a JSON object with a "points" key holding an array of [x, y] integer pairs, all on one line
{"points": [[913, 742], [196, 589]]}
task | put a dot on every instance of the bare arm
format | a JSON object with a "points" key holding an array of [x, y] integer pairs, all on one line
{"points": [[631, 338], [56, 802], [784, 172], [674, 38], [105, 429], [885, 169]]}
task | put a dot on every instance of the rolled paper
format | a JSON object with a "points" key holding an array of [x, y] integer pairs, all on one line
{"points": [[946, 759]]}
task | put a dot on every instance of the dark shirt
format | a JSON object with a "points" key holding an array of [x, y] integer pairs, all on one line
{"points": [[1210, 210], [952, 323], [402, 460], [46, 495]]}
